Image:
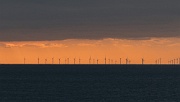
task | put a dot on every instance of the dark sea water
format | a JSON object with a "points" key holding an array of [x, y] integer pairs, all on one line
{"points": [[89, 83]]}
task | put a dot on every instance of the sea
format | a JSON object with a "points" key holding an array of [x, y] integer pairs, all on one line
{"points": [[89, 83]]}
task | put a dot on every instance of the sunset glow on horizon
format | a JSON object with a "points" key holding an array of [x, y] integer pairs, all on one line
{"points": [[126, 29], [111, 49]]}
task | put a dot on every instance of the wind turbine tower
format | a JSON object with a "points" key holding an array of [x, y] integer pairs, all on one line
{"points": [[90, 60], [74, 60], [79, 60], [142, 60], [53, 60], [112, 61], [120, 61], [172, 61], [38, 60], [68, 60], [177, 60], [155, 61], [59, 60], [24, 60], [45, 61], [129, 61], [126, 61], [105, 60]]}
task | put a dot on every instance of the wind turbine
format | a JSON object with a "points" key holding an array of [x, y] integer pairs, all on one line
{"points": [[79, 60], [97, 61], [126, 60], [105, 60], [53, 60], [67, 60], [155, 61], [59, 60], [74, 60], [90, 60], [172, 61], [24, 60], [142, 60], [120, 61], [177, 60], [112, 61], [129, 61], [38, 60], [45, 61]]}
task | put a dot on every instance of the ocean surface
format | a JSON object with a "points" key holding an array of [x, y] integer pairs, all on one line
{"points": [[89, 83]]}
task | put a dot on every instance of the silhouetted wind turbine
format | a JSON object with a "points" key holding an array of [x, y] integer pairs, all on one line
{"points": [[79, 60], [177, 60], [24, 60], [120, 61], [112, 61], [38, 60], [172, 61], [142, 60], [53, 60], [155, 61], [68, 60], [90, 60], [97, 61], [126, 61], [105, 60], [129, 61], [45, 61], [74, 60], [59, 60]]}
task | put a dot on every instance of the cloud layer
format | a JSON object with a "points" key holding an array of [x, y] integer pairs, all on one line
{"points": [[37, 20]]}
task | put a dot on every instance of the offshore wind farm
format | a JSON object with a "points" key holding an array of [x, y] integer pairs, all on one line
{"points": [[126, 61], [89, 51]]}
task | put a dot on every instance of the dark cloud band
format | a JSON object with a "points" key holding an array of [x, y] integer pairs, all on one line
{"points": [[68, 19]]}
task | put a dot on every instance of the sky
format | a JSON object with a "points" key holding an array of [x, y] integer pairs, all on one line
{"points": [[79, 29]]}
